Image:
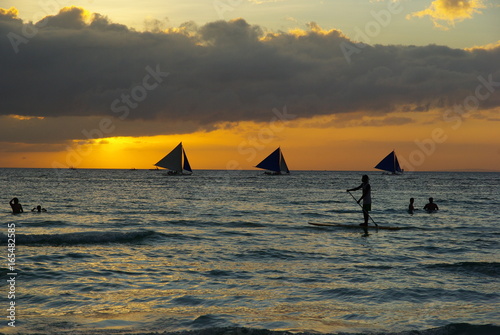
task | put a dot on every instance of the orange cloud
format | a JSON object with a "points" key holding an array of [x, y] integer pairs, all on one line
{"points": [[489, 46], [10, 13], [450, 11], [313, 28]]}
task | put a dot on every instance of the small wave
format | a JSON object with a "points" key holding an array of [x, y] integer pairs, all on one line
{"points": [[180, 236], [241, 224], [248, 225], [272, 253], [216, 327], [188, 223], [164, 212], [79, 238], [228, 274], [48, 223], [478, 268]]}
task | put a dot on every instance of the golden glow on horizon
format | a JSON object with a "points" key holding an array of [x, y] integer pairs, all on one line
{"points": [[337, 142], [22, 118]]}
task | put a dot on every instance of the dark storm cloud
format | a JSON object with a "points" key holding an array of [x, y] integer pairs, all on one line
{"points": [[58, 129], [71, 64]]}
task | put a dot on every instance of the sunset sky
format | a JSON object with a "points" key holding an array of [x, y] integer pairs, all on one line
{"points": [[337, 84]]}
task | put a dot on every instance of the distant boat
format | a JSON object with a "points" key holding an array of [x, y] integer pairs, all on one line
{"points": [[390, 164], [176, 162], [274, 163]]}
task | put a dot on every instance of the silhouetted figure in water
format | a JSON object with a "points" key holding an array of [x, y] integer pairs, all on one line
{"points": [[431, 206], [411, 208], [366, 197], [16, 206], [38, 209]]}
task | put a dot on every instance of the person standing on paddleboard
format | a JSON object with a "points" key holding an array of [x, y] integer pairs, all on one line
{"points": [[366, 197]]}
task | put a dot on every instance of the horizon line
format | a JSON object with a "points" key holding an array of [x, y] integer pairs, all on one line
{"points": [[298, 170]]}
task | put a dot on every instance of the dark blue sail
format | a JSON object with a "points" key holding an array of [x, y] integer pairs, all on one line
{"points": [[397, 168], [271, 162], [186, 165], [389, 163], [283, 166]]}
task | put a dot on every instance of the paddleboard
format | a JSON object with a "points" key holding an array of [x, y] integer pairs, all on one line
{"points": [[370, 226]]}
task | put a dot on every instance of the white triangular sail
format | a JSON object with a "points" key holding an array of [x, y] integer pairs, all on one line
{"points": [[176, 161]]}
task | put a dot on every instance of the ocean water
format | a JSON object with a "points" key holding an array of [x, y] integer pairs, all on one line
{"points": [[231, 252]]}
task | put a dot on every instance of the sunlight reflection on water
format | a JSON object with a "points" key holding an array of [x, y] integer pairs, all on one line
{"points": [[121, 251]]}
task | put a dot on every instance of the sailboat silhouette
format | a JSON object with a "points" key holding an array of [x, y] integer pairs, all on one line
{"points": [[390, 164], [176, 162], [274, 163]]}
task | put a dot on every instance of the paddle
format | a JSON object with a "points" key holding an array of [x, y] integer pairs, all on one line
{"points": [[376, 225]]}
